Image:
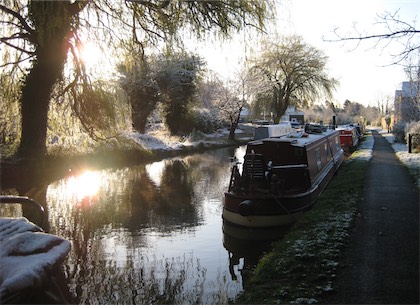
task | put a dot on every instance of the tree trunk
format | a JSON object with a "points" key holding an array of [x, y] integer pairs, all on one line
{"points": [[232, 131], [281, 107], [35, 98], [52, 21], [234, 125], [139, 121]]}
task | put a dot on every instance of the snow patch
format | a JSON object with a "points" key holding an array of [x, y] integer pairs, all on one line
{"points": [[27, 255], [411, 160]]}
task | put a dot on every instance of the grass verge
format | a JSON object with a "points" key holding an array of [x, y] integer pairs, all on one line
{"points": [[301, 267]]}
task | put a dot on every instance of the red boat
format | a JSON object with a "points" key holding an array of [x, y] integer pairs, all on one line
{"points": [[350, 136], [281, 177]]}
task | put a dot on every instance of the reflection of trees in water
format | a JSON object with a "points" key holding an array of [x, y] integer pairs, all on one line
{"points": [[167, 207], [177, 202], [109, 231], [145, 280]]}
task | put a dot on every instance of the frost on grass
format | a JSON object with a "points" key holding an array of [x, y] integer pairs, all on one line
{"points": [[304, 301], [162, 140], [364, 151], [311, 261], [410, 160]]}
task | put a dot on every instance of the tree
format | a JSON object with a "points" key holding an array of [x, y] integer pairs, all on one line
{"points": [[168, 79], [352, 108], [178, 79], [207, 109], [139, 81], [384, 103], [43, 33], [230, 107], [226, 100], [291, 73], [391, 28]]}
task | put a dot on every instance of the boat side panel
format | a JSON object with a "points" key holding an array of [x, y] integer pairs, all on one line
{"points": [[321, 153]]}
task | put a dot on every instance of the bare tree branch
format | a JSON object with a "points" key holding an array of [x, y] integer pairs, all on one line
{"points": [[21, 19], [393, 30], [17, 62]]}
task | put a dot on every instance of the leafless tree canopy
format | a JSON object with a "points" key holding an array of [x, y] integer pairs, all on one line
{"points": [[389, 28]]}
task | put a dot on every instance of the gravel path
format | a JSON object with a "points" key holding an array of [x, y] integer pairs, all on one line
{"points": [[381, 264]]}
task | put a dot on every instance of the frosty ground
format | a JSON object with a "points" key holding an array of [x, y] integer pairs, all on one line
{"points": [[411, 160]]}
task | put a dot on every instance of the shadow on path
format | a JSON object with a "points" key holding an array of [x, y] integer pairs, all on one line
{"points": [[381, 264]]}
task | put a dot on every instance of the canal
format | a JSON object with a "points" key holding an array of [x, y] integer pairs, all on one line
{"points": [[151, 233]]}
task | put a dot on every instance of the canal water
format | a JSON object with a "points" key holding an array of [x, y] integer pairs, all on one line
{"points": [[151, 233]]}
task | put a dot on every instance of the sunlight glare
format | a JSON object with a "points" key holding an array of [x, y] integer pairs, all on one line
{"points": [[84, 186], [155, 172], [90, 54], [98, 60]]}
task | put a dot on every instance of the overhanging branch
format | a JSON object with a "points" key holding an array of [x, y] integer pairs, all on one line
{"points": [[18, 16]]}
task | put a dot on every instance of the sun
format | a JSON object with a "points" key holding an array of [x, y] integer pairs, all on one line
{"points": [[98, 62], [90, 54]]}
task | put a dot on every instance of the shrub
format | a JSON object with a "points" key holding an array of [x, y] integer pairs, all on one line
{"points": [[399, 132], [205, 121], [413, 128]]}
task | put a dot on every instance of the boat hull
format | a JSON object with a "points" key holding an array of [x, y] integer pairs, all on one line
{"points": [[261, 221]]}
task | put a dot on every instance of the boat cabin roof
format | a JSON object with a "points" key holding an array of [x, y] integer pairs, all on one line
{"points": [[298, 139]]}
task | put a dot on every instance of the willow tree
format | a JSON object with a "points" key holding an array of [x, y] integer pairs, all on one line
{"points": [[178, 80], [44, 33], [290, 72], [138, 79]]}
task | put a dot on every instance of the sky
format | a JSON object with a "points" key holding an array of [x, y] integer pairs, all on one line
{"points": [[365, 72]]}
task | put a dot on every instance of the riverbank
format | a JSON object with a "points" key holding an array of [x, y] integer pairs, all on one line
{"points": [[144, 148], [302, 268]]}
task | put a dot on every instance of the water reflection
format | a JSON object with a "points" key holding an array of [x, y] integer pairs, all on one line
{"points": [[149, 233], [82, 189], [246, 246]]}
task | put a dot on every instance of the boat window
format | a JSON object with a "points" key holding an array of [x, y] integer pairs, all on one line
{"points": [[337, 143], [328, 155], [318, 158]]}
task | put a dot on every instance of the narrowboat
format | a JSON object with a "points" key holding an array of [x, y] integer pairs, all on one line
{"points": [[281, 177], [350, 136]]}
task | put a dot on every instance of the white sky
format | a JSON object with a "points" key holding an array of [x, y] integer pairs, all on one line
{"points": [[365, 73]]}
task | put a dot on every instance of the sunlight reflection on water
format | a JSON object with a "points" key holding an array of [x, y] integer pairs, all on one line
{"points": [[149, 233], [81, 189]]}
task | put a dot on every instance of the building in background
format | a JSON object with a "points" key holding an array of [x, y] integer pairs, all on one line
{"points": [[293, 115], [407, 102]]}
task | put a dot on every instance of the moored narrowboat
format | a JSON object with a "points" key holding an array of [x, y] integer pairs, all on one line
{"points": [[350, 136], [281, 177]]}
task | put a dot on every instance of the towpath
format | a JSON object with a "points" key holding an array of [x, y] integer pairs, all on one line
{"points": [[381, 264]]}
